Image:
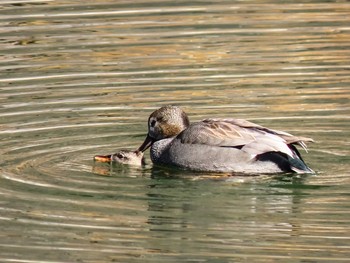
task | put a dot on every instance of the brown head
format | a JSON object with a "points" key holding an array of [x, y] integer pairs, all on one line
{"points": [[166, 122]]}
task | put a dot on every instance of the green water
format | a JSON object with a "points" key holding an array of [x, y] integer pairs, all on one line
{"points": [[78, 80]]}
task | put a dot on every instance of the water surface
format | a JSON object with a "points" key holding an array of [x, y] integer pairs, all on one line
{"points": [[78, 80]]}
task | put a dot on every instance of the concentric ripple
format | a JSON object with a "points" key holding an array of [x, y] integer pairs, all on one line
{"points": [[78, 80]]}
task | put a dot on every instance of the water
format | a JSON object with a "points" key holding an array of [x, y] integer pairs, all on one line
{"points": [[78, 80]]}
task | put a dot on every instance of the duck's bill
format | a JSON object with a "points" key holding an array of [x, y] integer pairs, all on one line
{"points": [[103, 158], [146, 144]]}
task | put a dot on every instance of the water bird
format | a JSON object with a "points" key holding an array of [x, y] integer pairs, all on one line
{"points": [[221, 145], [123, 157]]}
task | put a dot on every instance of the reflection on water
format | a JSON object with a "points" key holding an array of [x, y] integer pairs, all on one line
{"points": [[78, 80]]}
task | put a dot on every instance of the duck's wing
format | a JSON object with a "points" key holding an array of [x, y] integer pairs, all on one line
{"points": [[250, 137]]}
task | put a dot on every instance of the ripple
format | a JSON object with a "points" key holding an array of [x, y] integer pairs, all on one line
{"points": [[80, 80]]}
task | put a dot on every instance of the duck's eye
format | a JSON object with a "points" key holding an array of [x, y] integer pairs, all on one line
{"points": [[153, 123], [120, 156]]}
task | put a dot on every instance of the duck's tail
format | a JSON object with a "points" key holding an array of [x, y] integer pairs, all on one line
{"points": [[286, 162], [297, 163]]}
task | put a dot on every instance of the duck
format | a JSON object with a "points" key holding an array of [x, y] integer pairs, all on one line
{"points": [[127, 157], [225, 145]]}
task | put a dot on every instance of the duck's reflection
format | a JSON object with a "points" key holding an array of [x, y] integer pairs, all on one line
{"points": [[226, 212]]}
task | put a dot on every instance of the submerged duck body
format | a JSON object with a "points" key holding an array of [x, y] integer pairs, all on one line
{"points": [[221, 145]]}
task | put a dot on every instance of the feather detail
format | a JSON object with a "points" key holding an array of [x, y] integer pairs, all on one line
{"points": [[252, 138]]}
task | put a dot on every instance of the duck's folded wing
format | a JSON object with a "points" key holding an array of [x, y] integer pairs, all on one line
{"points": [[250, 137]]}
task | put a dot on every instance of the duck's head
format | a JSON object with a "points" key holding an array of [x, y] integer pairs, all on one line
{"points": [[166, 122], [128, 157], [123, 157]]}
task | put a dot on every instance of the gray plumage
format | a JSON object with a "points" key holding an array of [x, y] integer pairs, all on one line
{"points": [[221, 145]]}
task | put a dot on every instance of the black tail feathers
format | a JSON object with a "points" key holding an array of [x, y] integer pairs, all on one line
{"points": [[285, 162]]}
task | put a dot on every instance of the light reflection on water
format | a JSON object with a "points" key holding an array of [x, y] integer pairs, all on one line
{"points": [[79, 80]]}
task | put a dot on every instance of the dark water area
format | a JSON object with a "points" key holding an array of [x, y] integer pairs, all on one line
{"points": [[80, 79]]}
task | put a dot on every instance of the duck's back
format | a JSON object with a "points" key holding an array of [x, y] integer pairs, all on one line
{"points": [[230, 145]]}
